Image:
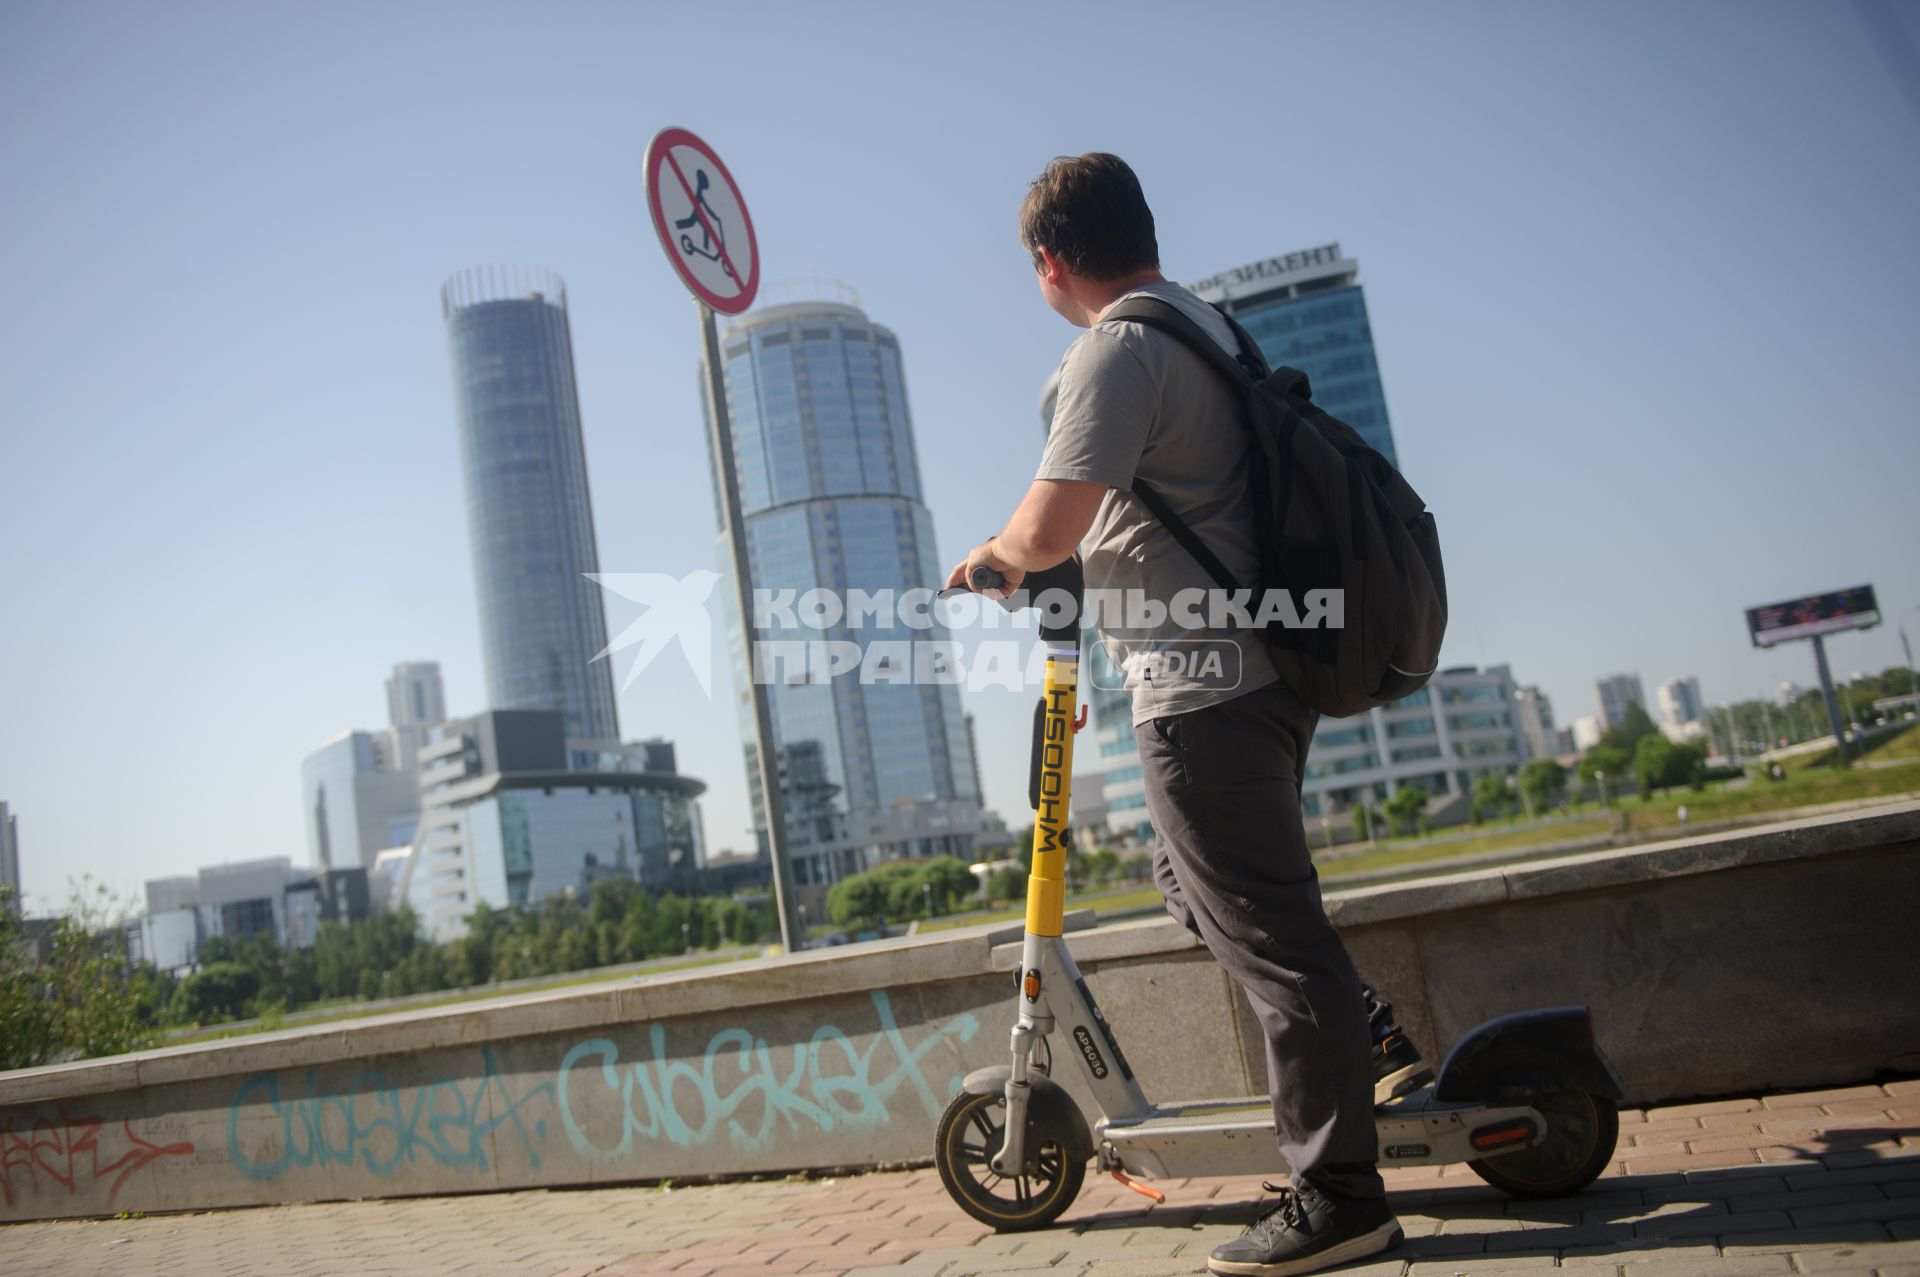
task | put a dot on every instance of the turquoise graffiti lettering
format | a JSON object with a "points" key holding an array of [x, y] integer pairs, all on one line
{"points": [[824, 1084], [372, 1124]]}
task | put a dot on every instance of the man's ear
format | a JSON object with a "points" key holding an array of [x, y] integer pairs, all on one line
{"points": [[1051, 268]]}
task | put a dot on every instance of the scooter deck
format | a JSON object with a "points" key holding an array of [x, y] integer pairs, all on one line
{"points": [[1235, 1136]]}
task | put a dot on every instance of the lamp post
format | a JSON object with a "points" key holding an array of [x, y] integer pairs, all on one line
{"points": [[926, 889], [1600, 779], [686, 936], [1326, 830]]}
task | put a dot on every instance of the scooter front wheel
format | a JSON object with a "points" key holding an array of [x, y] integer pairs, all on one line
{"points": [[1582, 1130], [968, 1136]]}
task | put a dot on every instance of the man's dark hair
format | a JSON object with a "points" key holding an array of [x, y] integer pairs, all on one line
{"points": [[1089, 212]]}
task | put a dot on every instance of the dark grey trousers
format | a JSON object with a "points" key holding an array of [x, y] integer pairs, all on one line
{"points": [[1223, 791]]}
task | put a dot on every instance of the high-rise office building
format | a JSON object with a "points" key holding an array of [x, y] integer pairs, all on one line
{"points": [[830, 491], [1616, 692], [10, 857], [1307, 311], [361, 789], [416, 703], [358, 800], [529, 519], [1680, 702]]}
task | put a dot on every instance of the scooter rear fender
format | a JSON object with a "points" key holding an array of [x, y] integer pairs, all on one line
{"points": [[1516, 1057], [1047, 1100]]}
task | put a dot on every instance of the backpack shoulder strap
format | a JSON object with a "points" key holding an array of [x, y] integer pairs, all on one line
{"points": [[1186, 536], [1169, 319]]}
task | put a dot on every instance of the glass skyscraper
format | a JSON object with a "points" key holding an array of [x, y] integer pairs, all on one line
{"points": [[529, 520], [1308, 312], [830, 491]]}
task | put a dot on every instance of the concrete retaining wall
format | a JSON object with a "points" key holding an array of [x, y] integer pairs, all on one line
{"points": [[1766, 958]]}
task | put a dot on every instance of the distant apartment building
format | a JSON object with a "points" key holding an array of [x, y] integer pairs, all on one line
{"points": [[1680, 702], [240, 899], [505, 820], [1616, 692], [1459, 727], [1587, 730], [10, 858], [1534, 713]]}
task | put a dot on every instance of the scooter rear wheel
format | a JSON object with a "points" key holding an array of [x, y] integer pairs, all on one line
{"points": [[969, 1134], [1582, 1130]]}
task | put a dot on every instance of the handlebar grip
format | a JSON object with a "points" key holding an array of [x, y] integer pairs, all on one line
{"points": [[985, 578]]}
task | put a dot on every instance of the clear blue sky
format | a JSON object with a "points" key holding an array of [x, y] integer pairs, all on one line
{"points": [[1643, 279]]}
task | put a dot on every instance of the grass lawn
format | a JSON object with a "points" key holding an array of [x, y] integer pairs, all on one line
{"points": [[1902, 744], [330, 1013]]}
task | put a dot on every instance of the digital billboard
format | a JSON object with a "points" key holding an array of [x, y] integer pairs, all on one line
{"points": [[1851, 609]]}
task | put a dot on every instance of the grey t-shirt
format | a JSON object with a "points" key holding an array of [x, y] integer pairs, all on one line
{"points": [[1133, 401]]}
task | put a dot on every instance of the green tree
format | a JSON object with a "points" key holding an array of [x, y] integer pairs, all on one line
{"points": [[1006, 883], [858, 898], [1544, 782], [83, 1000], [1660, 764], [1490, 797], [1405, 808], [1634, 726], [1105, 863], [1614, 762], [1651, 758], [1363, 822], [951, 881], [218, 991]]}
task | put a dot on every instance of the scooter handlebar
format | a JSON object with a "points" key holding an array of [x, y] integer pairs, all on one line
{"points": [[1066, 576], [985, 578]]}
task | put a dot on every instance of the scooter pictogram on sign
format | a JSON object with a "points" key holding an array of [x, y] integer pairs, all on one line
{"points": [[702, 221], [713, 236]]}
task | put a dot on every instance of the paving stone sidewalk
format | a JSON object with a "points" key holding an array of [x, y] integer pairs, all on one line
{"points": [[1808, 1182]]}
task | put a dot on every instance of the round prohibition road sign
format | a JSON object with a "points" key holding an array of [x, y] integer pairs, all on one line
{"points": [[702, 221]]}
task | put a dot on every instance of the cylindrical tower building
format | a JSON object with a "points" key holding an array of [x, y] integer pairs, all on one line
{"points": [[830, 491], [529, 519]]}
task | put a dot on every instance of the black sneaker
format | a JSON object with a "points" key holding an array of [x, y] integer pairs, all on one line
{"points": [[1397, 1068], [1307, 1230]]}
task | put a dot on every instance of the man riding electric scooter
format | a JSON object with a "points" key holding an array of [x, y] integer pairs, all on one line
{"points": [[1223, 741]]}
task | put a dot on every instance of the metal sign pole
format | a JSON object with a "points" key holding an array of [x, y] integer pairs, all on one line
{"points": [[773, 802], [1833, 704]]}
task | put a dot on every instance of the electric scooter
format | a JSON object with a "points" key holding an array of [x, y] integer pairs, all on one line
{"points": [[1527, 1100]]}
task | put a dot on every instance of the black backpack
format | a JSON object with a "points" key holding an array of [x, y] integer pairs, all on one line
{"points": [[1330, 513]]}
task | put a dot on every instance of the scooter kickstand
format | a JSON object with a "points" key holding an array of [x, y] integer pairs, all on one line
{"points": [[1145, 1190]]}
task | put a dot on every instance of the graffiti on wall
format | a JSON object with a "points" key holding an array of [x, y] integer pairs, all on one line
{"points": [[378, 1126], [69, 1153], [822, 1085], [736, 1087]]}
